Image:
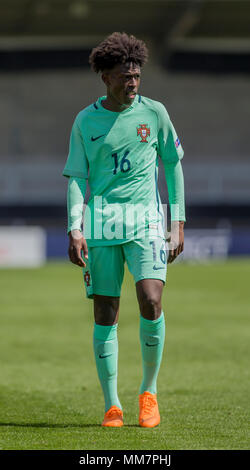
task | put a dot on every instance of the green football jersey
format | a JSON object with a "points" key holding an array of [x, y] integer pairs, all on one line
{"points": [[118, 153]]}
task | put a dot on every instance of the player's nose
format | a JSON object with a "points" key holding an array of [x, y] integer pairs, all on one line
{"points": [[133, 82]]}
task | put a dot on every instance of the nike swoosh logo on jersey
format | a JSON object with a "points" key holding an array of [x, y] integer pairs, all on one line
{"points": [[95, 138], [103, 356], [156, 268]]}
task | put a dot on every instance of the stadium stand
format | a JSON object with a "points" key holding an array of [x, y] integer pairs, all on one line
{"points": [[45, 81]]}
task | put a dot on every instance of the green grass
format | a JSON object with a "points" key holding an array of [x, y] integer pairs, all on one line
{"points": [[50, 397]]}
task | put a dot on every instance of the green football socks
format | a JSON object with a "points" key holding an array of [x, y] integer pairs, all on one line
{"points": [[106, 355], [152, 337]]}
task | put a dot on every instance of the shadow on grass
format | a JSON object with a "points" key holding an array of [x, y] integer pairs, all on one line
{"points": [[61, 426]]}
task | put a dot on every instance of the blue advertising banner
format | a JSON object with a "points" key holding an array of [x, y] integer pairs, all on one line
{"points": [[200, 244]]}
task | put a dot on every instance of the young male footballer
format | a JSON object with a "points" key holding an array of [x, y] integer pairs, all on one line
{"points": [[115, 144]]}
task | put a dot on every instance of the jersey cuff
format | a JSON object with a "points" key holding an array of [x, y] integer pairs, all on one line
{"points": [[76, 174]]}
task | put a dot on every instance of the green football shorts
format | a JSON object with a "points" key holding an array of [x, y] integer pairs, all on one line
{"points": [[104, 271]]}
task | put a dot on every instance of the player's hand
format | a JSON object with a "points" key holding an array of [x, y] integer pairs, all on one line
{"points": [[176, 241], [77, 245]]}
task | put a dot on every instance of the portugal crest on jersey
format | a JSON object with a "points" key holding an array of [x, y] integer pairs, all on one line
{"points": [[144, 132], [87, 278]]}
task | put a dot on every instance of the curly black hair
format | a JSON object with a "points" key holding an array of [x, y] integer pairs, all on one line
{"points": [[118, 48]]}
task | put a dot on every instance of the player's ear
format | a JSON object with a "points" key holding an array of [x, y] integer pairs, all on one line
{"points": [[105, 78]]}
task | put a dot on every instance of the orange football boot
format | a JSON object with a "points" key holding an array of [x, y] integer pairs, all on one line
{"points": [[149, 415], [113, 417]]}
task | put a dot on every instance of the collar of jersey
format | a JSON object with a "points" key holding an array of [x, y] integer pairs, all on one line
{"points": [[99, 105]]}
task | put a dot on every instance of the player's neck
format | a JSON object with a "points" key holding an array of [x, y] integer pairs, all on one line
{"points": [[112, 104]]}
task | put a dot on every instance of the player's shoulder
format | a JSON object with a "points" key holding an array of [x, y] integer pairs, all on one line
{"points": [[158, 108], [85, 113], [154, 105]]}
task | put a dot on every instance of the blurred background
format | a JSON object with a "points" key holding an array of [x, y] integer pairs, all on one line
{"points": [[199, 68]]}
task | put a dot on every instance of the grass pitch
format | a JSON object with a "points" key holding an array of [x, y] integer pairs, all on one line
{"points": [[50, 397]]}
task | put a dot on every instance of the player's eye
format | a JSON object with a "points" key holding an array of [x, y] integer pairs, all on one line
{"points": [[128, 77]]}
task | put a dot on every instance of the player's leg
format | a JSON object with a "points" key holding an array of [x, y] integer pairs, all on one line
{"points": [[152, 338], [106, 311], [107, 269], [149, 270], [152, 331], [149, 294]]}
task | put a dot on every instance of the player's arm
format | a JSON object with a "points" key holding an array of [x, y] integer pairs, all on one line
{"points": [[171, 153], [76, 169], [75, 199], [175, 184]]}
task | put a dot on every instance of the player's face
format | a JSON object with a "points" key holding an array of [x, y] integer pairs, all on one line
{"points": [[123, 83]]}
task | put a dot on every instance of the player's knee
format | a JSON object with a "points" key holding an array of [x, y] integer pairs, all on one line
{"points": [[151, 306], [106, 310]]}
